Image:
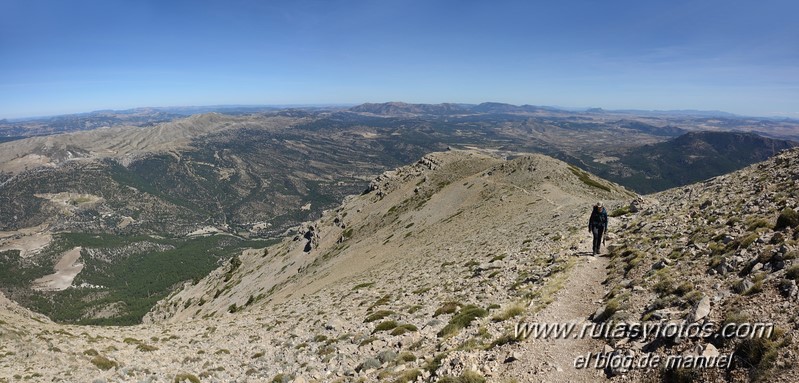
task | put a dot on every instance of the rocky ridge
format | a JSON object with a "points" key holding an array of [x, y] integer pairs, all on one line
{"points": [[422, 277]]}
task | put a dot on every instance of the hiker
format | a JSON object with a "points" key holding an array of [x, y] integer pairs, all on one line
{"points": [[598, 225]]}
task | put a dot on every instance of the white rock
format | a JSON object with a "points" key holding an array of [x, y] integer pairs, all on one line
{"points": [[710, 351], [701, 310]]}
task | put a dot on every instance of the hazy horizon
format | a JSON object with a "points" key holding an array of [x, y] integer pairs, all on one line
{"points": [[74, 57], [349, 105]]}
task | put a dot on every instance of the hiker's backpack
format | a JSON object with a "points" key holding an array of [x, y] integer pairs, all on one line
{"points": [[599, 218]]}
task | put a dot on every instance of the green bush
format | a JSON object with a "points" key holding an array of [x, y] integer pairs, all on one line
{"points": [[693, 297], [498, 258], [320, 338], [409, 376], [382, 301], [787, 218], [684, 288], [792, 272], [414, 309], [624, 210], [434, 364]]}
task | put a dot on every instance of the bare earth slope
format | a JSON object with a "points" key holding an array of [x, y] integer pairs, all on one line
{"points": [[423, 277]]}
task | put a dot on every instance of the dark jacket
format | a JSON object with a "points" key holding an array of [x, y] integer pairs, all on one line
{"points": [[599, 218]]}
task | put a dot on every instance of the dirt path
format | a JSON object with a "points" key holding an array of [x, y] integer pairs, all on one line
{"points": [[550, 359]]}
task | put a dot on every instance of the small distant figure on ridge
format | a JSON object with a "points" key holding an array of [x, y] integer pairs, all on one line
{"points": [[598, 225]]}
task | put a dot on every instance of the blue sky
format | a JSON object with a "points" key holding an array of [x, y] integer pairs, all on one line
{"points": [[75, 56]]}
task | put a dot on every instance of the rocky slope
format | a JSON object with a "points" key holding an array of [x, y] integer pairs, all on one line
{"points": [[717, 252], [422, 277]]}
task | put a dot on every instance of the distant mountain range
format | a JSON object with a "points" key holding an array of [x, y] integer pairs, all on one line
{"points": [[401, 108], [148, 116]]}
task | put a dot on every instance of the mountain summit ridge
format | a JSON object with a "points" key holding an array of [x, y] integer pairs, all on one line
{"points": [[394, 271], [426, 196], [424, 275]]}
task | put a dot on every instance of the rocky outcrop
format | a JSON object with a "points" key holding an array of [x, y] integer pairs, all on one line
{"points": [[308, 233]]}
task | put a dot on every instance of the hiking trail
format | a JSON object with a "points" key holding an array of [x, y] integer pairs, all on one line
{"points": [[552, 360]]}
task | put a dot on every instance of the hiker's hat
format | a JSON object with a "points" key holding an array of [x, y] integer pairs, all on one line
{"points": [[599, 204]]}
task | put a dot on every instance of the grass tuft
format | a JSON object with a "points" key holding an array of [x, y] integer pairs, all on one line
{"points": [[510, 312], [186, 377], [462, 319], [467, 377], [586, 179], [792, 272], [447, 308], [103, 363], [787, 218], [385, 326], [404, 328], [362, 285], [143, 347], [377, 315]]}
